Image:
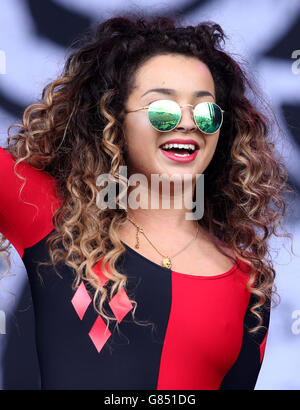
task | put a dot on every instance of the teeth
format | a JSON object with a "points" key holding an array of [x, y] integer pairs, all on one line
{"points": [[184, 146], [182, 155]]}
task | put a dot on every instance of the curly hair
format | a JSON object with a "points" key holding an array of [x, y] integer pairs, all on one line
{"points": [[75, 133]]}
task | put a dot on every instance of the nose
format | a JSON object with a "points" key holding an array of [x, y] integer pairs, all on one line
{"points": [[186, 123]]}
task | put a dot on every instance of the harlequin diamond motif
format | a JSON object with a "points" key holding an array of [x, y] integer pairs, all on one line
{"points": [[120, 305], [99, 333], [81, 300]]}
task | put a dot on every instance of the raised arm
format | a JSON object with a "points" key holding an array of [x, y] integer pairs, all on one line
{"points": [[25, 211]]}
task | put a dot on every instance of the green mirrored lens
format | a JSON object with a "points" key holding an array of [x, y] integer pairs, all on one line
{"points": [[208, 116], [164, 115]]}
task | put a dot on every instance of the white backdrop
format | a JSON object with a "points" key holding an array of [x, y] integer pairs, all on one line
{"points": [[30, 57]]}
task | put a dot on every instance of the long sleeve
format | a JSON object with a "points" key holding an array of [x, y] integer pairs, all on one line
{"points": [[25, 213]]}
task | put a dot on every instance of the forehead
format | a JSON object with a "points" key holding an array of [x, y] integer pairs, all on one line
{"points": [[173, 71]]}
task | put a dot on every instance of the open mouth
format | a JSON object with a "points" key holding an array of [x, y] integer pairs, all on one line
{"points": [[180, 150]]}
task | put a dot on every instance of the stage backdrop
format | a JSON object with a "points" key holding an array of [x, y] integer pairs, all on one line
{"points": [[34, 38]]}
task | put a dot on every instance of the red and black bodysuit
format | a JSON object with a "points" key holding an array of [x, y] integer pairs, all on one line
{"points": [[200, 337]]}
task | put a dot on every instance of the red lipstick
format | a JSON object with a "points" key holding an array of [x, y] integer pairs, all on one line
{"points": [[175, 156]]}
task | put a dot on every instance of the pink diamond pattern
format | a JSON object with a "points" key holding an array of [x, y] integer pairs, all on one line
{"points": [[81, 300], [99, 333], [120, 305]]}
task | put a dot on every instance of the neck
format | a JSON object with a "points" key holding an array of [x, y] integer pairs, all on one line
{"points": [[161, 210], [171, 220]]}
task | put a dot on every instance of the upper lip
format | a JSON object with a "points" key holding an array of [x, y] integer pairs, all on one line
{"points": [[181, 141]]}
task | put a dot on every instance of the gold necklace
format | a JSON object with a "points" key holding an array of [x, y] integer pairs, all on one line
{"points": [[166, 262]]}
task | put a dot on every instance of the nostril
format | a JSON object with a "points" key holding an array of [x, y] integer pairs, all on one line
{"points": [[186, 127]]}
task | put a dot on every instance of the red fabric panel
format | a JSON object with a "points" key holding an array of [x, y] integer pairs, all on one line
{"points": [[25, 217], [205, 329]]}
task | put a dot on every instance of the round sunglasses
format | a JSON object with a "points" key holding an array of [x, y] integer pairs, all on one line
{"points": [[165, 115]]}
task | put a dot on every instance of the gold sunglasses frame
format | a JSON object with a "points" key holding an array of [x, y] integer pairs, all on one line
{"points": [[181, 106]]}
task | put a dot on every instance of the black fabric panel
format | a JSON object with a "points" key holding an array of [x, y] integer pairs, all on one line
{"points": [[20, 369], [244, 373], [68, 358]]}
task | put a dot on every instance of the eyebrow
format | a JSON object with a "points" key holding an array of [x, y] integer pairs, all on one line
{"points": [[169, 91]]}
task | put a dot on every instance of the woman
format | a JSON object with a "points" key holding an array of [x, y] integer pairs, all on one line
{"points": [[145, 297]]}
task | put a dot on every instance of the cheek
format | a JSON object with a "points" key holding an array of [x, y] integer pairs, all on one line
{"points": [[136, 129], [209, 148], [211, 142], [140, 139]]}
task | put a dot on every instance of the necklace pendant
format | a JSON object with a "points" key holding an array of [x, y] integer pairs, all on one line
{"points": [[166, 262]]}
